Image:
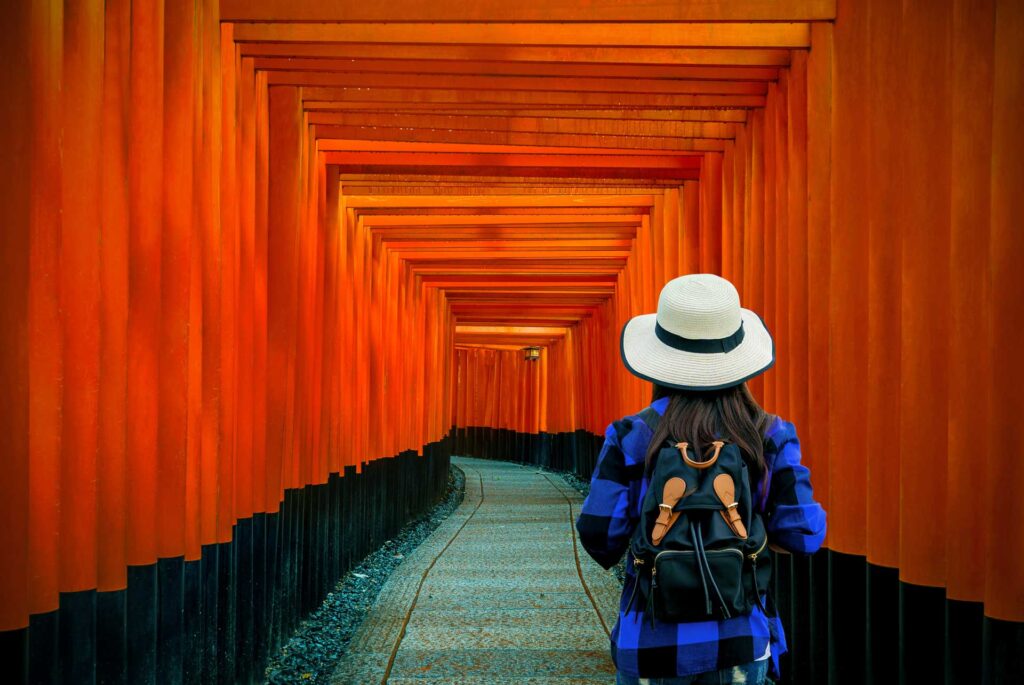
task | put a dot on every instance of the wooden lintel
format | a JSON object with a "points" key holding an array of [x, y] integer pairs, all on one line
{"points": [[384, 220], [402, 96], [411, 187], [628, 34], [528, 10], [543, 54], [517, 138], [626, 114], [534, 99], [667, 162], [514, 123], [474, 82], [369, 201], [355, 145], [521, 68]]}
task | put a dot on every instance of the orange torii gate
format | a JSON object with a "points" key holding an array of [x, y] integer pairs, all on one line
{"points": [[265, 260]]}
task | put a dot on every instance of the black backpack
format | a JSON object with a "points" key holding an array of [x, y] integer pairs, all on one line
{"points": [[699, 549]]}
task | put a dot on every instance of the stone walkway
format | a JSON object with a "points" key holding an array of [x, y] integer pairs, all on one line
{"points": [[500, 593]]}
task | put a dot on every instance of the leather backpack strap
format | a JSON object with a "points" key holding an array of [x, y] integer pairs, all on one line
{"points": [[675, 490]]}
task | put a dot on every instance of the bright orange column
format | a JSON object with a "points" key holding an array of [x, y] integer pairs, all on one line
{"points": [[145, 167], [925, 266], [111, 484], [848, 310], [21, 28], [815, 436], [1004, 586], [970, 297], [884, 280], [40, 181], [282, 233]]}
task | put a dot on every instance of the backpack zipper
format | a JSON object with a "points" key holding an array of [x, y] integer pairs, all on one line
{"points": [[753, 569], [710, 551], [753, 556], [654, 566]]}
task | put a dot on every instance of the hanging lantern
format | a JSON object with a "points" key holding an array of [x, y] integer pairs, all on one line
{"points": [[532, 353]]}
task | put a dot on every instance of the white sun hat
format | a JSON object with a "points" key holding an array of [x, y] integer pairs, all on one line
{"points": [[700, 339]]}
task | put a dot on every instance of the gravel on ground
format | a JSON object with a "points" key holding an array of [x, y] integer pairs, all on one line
{"points": [[312, 653]]}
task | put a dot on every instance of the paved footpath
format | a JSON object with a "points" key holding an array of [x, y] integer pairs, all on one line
{"points": [[502, 592]]}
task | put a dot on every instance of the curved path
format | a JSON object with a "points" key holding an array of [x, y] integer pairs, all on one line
{"points": [[500, 593]]}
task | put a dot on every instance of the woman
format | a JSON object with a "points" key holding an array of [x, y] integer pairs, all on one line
{"points": [[698, 350]]}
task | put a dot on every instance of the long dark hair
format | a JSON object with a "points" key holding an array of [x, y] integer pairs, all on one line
{"points": [[699, 418]]}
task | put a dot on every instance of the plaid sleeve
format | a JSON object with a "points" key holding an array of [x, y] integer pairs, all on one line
{"points": [[607, 519], [795, 521]]}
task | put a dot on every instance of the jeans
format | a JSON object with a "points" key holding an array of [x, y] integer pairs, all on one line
{"points": [[754, 673]]}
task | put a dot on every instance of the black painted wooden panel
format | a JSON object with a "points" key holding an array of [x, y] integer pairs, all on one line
{"points": [[219, 618]]}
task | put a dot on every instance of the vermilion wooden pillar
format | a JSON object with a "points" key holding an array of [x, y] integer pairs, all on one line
{"points": [[884, 281], [752, 295], [925, 267], [970, 295], [112, 485], [728, 220], [41, 182], [691, 234], [254, 169], [17, 83], [175, 274], [330, 418], [765, 385], [282, 234], [848, 308], [740, 196], [232, 438], [795, 256], [1004, 587], [784, 299], [145, 263], [673, 237], [210, 144], [819, 185], [80, 292], [711, 213]]}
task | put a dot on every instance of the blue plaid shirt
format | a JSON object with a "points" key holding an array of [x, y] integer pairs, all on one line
{"points": [[793, 519]]}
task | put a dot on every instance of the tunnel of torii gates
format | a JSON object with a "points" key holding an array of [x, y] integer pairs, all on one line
{"points": [[267, 264]]}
